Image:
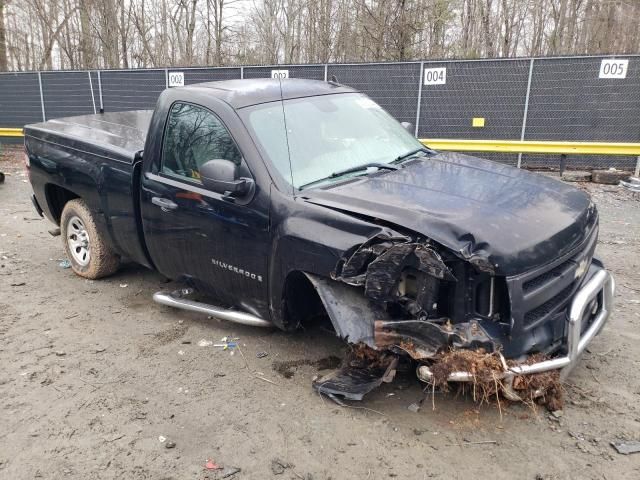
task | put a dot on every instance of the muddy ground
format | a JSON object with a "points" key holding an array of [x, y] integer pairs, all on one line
{"points": [[94, 373]]}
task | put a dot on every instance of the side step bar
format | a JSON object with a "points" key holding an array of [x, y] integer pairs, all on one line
{"points": [[176, 299]]}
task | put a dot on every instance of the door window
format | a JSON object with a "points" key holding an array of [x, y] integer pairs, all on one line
{"points": [[194, 136]]}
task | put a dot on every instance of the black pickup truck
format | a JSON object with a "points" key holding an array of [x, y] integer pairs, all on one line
{"points": [[281, 199]]}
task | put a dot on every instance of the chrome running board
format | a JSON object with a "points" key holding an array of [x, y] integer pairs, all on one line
{"points": [[176, 299]]}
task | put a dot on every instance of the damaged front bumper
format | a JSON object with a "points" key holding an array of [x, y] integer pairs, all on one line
{"points": [[588, 312]]}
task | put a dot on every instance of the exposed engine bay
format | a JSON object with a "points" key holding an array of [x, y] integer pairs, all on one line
{"points": [[394, 298]]}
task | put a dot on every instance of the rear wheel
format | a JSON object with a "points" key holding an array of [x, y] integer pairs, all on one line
{"points": [[87, 251]]}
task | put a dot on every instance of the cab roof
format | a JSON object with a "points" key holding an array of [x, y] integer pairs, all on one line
{"points": [[243, 93]]}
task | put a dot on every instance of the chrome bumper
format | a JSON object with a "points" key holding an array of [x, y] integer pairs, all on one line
{"points": [[603, 282]]}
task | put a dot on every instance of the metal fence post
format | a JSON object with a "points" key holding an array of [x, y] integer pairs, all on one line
{"points": [[526, 110], [419, 98], [241, 73], [100, 91], [326, 71], [166, 78], [93, 98], [44, 115], [637, 172]]}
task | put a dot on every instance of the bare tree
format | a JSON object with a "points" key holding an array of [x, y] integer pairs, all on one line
{"points": [[3, 38], [46, 34]]}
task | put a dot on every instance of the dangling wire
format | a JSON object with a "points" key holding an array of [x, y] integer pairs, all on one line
{"points": [[286, 134]]}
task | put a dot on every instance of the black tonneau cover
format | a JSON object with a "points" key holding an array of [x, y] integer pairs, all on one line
{"points": [[115, 135]]}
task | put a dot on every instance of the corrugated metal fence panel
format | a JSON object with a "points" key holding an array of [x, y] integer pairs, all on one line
{"points": [[19, 100], [200, 75], [131, 89], [66, 94], [568, 101], [311, 72], [393, 86]]}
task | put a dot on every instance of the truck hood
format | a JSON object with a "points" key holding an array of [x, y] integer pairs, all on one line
{"points": [[502, 219]]}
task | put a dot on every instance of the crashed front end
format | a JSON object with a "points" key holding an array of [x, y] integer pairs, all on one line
{"points": [[411, 296]]}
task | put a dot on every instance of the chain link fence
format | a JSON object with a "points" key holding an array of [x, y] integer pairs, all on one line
{"points": [[546, 99]]}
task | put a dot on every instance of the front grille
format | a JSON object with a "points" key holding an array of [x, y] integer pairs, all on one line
{"points": [[549, 306], [538, 295], [546, 277]]}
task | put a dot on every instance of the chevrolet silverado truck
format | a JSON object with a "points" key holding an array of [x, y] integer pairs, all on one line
{"points": [[279, 199]]}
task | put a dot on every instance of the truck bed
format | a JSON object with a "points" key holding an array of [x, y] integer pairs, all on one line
{"points": [[116, 135]]}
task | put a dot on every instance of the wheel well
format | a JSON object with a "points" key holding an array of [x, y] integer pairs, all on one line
{"points": [[301, 302], [57, 198]]}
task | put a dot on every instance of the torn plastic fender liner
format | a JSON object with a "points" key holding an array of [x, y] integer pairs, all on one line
{"points": [[352, 314]]}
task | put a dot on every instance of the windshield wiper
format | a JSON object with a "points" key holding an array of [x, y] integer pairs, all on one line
{"points": [[357, 168], [410, 154], [364, 166]]}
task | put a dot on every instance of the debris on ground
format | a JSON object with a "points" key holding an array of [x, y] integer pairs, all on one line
{"points": [[124, 285], [489, 381], [162, 439], [633, 185], [64, 263], [170, 444], [278, 466], [227, 343], [229, 472], [363, 370], [211, 465], [261, 354], [54, 232], [414, 407], [205, 343], [625, 447]]}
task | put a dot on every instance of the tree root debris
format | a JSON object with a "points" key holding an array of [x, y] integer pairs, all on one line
{"points": [[489, 382]]}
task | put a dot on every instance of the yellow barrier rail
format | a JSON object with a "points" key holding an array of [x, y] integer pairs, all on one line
{"points": [[11, 132], [517, 146]]}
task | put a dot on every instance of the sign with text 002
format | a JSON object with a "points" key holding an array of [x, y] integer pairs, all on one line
{"points": [[176, 79], [279, 73]]}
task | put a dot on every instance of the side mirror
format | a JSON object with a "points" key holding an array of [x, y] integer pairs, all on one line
{"points": [[408, 126], [221, 176]]}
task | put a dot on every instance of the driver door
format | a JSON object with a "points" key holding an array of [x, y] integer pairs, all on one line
{"points": [[217, 244]]}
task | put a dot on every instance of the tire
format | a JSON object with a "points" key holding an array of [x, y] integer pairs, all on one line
{"points": [[89, 254]]}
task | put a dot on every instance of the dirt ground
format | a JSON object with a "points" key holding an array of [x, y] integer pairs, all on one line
{"points": [[94, 373]]}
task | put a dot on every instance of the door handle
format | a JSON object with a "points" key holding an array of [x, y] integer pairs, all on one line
{"points": [[165, 204]]}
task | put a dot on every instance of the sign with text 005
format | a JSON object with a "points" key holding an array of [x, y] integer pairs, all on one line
{"points": [[612, 68]]}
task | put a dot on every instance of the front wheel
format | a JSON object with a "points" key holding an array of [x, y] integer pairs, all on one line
{"points": [[89, 254]]}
